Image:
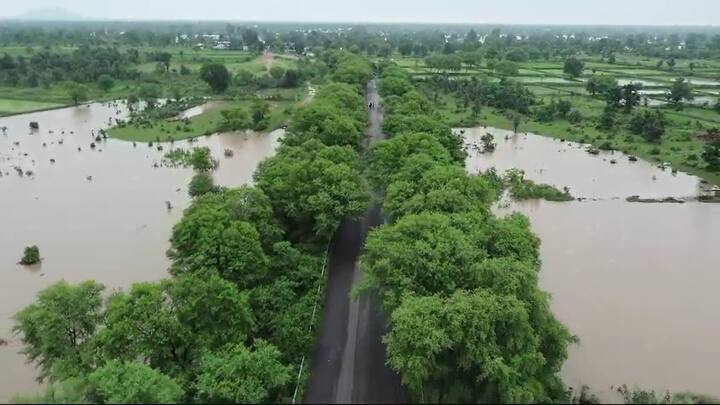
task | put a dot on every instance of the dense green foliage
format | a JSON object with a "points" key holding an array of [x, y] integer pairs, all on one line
{"points": [[313, 187], [649, 124], [216, 76], [334, 117], [468, 322], [573, 67], [524, 189], [31, 255], [57, 329], [201, 183]]}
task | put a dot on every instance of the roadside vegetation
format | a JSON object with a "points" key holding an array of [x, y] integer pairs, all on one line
{"points": [[453, 307], [236, 319]]}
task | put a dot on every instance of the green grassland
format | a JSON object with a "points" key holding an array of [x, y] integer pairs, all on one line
{"points": [[10, 106], [282, 104]]}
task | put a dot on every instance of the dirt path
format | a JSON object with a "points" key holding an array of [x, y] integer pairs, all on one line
{"points": [[348, 363]]}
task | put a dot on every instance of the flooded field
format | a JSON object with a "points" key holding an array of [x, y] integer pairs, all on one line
{"points": [[646, 83], [635, 282], [94, 213], [198, 109], [702, 82]]}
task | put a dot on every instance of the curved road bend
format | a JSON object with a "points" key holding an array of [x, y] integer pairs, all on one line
{"points": [[348, 364]]}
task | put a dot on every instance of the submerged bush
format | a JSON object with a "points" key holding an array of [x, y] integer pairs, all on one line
{"points": [[30, 256], [523, 189]]}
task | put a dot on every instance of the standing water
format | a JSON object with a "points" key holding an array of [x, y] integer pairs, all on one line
{"points": [[637, 283], [96, 214]]}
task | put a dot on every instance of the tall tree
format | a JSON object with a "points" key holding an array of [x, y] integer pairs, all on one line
{"points": [[573, 67], [216, 76], [241, 375], [131, 383], [57, 329], [680, 90]]}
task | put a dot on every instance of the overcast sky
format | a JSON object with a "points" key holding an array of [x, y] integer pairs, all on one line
{"points": [[620, 12]]}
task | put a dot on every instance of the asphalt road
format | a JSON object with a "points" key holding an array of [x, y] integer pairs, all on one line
{"points": [[348, 364]]}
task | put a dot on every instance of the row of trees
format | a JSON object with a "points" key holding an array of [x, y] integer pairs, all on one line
{"points": [[234, 321], [468, 322], [86, 64]]}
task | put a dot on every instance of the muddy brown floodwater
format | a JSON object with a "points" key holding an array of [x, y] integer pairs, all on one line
{"points": [[637, 283], [112, 227]]}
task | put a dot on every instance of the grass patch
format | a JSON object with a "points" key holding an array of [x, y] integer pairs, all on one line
{"points": [[11, 106], [204, 124]]}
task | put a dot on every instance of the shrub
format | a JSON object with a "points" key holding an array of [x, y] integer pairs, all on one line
{"points": [[31, 255], [201, 183]]}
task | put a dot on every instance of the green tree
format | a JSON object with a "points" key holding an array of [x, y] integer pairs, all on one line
{"points": [[132, 383], [470, 347], [328, 124], [450, 244], [600, 84], [208, 239], [31, 255], [260, 110], [516, 55], [472, 59], [442, 188], [680, 90], [216, 76], [77, 92], [235, 119], [244, 78], [352, 69], [394, 85], [201, 160], [201, 183], [243, 204], [57, 329], [240, 375], [607, 119], [105, 83], [388, 157], [711, 155], [291, 78], [313, 187], [573, 67], [169, 325], [507, 68], [649, 124], [149, 92]]}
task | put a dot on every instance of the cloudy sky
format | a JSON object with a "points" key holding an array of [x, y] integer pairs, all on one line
{"points": [[621, 12]]}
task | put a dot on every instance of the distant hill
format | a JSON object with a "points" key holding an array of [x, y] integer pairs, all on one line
{"points": [[49, 14]]}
